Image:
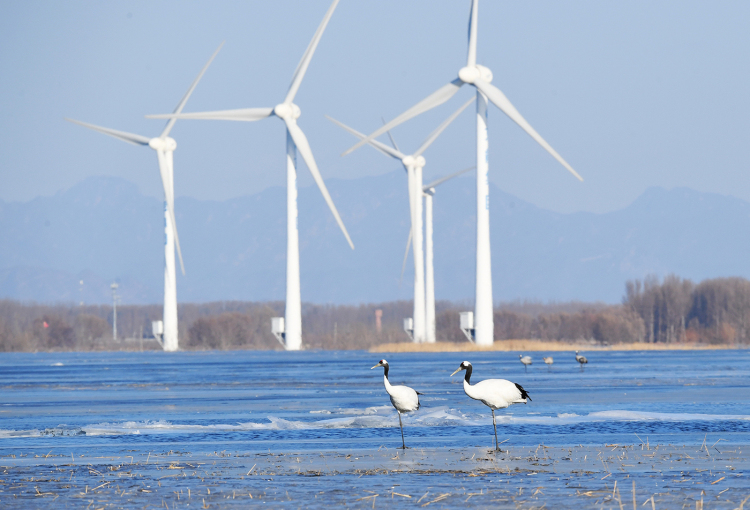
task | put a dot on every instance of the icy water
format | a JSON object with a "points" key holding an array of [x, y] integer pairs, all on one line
{"points": [[312, 429]]}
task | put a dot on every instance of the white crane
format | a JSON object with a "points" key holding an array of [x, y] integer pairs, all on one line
{"points": [[296, 140], [413, 164], [480, 78], [581, 359], [164, 145], [403, 398], [548, 360], [494, 393], [526, 360]]}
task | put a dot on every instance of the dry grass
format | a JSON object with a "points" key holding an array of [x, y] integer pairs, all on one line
{"points": [[540, 345]]}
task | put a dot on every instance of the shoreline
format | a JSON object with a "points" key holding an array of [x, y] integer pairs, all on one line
{"points": [[542, 345]]}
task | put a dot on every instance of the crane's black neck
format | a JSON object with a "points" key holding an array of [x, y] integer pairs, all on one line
{"points": [[385, 371], [468, 374]]}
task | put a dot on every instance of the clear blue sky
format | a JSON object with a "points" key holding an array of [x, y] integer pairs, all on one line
{"points": [[633, 94]]}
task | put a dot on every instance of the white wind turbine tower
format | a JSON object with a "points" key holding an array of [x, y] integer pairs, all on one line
{"points": [[413, 164], [164, 146], [429, 192], [479, 77], [291, 332]]}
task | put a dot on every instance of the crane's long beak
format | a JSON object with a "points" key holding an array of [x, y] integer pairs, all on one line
{"points": [[376, 366], [457, 371]]}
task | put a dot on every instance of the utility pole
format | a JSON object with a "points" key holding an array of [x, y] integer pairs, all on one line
{"points": [[114, 310]]}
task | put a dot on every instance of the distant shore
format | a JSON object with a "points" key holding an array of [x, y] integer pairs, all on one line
{"points": [[542, 345]]}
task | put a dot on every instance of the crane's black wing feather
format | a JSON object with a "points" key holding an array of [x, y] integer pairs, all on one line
{"points": [[523, 392]]}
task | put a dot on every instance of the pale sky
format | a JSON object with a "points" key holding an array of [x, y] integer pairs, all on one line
{"points": [[632, 94]]}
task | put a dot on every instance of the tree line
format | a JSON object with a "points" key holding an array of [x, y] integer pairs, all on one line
{"points": [[668, 310]]}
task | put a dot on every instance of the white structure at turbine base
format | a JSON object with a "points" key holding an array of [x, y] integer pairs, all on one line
{"points": [[480, 78], [164, 147], [413, 164], [296, 140]]}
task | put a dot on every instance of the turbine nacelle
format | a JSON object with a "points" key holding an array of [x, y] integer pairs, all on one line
{"points": [[287, 111], [411, 161], [163, 144], [471, 74]]}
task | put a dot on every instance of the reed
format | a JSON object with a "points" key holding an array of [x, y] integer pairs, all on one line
{"points": [[539, 345]]}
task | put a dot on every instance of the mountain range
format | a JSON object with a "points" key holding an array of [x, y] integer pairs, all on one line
{"points": [[103, 230]]}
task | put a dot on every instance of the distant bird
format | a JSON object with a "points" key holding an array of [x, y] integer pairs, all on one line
{"points": [[494, 393], [526, 360], [548, 360], [581, 359], [403, 398]]}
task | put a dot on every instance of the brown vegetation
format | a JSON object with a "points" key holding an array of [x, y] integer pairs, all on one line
{"points": [[661, 314]]}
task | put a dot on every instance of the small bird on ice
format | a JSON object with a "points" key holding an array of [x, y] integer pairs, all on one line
{"points": [[494, 393], [403, 398], [526, 360], [581, 359]]}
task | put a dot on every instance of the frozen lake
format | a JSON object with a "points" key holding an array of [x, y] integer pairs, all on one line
{"points": [[72, 412]]}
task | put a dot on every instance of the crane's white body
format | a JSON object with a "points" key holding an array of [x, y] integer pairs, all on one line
{"points": [[414, 165], [164, 146], [494, 393], [480, 78], [403, 398], [295, 141], [526, 360], [548, 360]]}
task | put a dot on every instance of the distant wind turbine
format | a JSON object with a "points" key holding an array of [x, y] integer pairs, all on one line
{"points": [[413, 164], [479, 77], [429, 192], [164, 146], [295, 140]]}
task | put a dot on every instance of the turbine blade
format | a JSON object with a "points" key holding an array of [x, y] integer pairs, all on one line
{"points": [[406, 256], [393, 140], [433, 136], [299, 73], [184, 99], [120, 135], [446, 178], [498, 98], [471, 60], [243, 114], [165, 164], [388, 151], [437, 98], [300, 140]]}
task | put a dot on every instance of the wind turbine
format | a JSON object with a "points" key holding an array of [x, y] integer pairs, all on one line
{"points": [[479, 77], [413, 164], [295, 140], [429, 192], [164, 146]]}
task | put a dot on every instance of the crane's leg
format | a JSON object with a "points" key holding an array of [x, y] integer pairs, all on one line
{"points": [[403, 444], [497, 445]]}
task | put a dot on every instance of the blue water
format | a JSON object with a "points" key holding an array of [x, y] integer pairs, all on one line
{"points": [[316, 429], [258, 401]]}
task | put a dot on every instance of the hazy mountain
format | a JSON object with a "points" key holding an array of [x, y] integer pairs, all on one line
{"points": [[103, 229]]}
